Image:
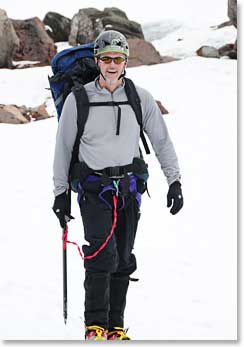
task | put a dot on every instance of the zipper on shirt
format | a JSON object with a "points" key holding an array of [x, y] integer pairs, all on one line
{"points": [[118, 118]]}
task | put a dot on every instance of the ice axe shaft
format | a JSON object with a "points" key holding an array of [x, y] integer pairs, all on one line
{"points": [[65, 298]]}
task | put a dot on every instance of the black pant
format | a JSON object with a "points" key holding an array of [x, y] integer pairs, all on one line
{"points": [[107, 275]]}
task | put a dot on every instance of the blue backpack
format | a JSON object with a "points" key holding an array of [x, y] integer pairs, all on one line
{"points": [[74, 67]]}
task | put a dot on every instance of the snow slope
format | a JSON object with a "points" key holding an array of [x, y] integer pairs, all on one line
{"points": [[186, 263]]}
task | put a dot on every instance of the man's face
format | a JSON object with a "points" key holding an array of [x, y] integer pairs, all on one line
{"points": [[111, 69]]}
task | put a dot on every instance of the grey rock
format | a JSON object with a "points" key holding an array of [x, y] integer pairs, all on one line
{"points": [[89, 22], [129, 28], [8, 40], [81, 29], [232, 11], [60, 26], [114, 11]]}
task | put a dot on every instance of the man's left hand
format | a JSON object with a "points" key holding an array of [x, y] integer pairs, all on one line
{"points": [[175, 197]]}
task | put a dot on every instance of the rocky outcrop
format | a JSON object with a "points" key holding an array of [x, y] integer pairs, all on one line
{"points": [[142, 53], [8, 40], [59, 26], [89, 22], [35, 44]]}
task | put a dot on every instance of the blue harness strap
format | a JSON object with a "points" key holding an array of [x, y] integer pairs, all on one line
{"points": [[115, 187]]}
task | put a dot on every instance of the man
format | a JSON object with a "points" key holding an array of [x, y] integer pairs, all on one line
{"points": [[112, 178]]}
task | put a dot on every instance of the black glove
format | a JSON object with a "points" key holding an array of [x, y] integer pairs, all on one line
{"points": [[175, 196], [62, 209]]}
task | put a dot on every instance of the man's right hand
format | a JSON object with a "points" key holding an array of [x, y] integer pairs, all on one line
{"points": [[62, 209]]}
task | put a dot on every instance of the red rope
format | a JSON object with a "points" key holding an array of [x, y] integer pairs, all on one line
{"points": [[104, 244]]}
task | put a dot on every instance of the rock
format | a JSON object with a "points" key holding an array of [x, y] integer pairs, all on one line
{"points": [[142, 53], [8, 40], [208, 52], [25, 111], [226, 49], [129, 28], [21, 114], [60, 26], [232, 14], [35, 44], [40, 112], [114, 11], [82, 30], [89, 22], [11, 114], [161, 107], [167, 59], [232, 11]]}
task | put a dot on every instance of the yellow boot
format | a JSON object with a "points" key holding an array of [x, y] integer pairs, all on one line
{"points": [[118, 334], [95, 332]]}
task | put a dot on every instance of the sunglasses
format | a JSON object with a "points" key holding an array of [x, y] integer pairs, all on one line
{"points": [[116, 60]]}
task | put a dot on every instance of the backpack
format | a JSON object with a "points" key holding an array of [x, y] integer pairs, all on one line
{"points": [[74, 67]]}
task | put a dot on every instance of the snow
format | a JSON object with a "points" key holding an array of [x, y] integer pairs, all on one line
{"points": [[187, 263]]}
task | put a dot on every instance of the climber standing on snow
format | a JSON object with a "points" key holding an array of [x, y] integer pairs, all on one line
{"points": [[113, 176]]}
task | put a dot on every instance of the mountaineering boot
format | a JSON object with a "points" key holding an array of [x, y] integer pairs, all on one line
{"points": [[118, 334], [95, 332]]}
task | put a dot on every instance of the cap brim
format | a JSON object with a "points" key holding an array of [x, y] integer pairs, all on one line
{"points": [[112, 49]]}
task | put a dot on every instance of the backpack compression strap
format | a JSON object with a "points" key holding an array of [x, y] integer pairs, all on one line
{"points": [[135, 102]]}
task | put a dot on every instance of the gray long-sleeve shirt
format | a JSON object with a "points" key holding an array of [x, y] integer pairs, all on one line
{"points": [[100, 147]]}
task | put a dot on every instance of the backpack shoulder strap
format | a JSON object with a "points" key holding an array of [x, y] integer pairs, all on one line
{"points": [[135, 102], [82, 105]]}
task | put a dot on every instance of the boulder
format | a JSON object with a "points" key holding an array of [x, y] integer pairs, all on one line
{"points": [[14, 114], [35, 44], [60, 26], [127, 27], [232, 11], [226, 50], [11, 114], [167, 59], [208, 52], [161, 107], [39, 112], [114, 11], [8, 40], [82, 29], [232, 14], [142, 53], [89, 22]]}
